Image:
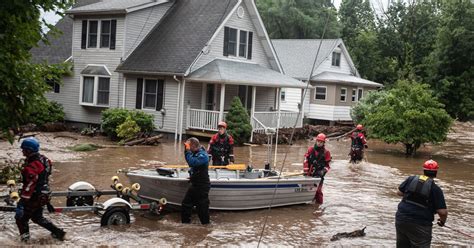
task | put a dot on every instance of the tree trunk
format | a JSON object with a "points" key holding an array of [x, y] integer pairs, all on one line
{"points": [[409, 149]]}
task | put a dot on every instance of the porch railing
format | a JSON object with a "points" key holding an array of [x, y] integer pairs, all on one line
{"points": [[270, 119], [203, 119]]}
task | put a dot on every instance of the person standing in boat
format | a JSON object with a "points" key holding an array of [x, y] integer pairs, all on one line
{"points": [[198, 192], [422, 199], [316, 164], [358, 143], [221, 146]]}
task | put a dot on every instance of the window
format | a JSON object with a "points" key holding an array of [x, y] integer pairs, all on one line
{"points": [[343, 94], [336, 58], [93, 30], [360, 93], [320, 93], [354, 95], [244, 46], [95, 90], [150, 94], [283, 95], [105, 34]]}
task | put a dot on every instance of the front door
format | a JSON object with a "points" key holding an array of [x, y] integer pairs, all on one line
{"points": [[210, 93]]}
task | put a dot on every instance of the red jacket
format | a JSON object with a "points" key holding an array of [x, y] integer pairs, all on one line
{"points": [[219, 145], [31, 174], [308, 167], [360, 135]]}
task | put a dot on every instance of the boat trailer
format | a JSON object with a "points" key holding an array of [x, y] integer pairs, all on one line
{"points": [[80, 198]]}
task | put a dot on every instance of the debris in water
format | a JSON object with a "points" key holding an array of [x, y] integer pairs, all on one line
{"points": [[356, 233]]}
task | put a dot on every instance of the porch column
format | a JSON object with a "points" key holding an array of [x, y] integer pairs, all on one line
{"points": [[277, 127], [252, 110], [221, 106]]}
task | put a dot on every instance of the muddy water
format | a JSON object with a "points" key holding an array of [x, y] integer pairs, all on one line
{"points": [[355, 196]]}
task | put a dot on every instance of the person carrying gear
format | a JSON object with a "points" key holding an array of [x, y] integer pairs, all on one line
{"points": [[35, 192], [221, 146], [316, 164], [358, 143], [198, 192], [422, 199]]}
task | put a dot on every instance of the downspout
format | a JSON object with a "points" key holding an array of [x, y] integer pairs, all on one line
{"points": [[182, 112], [124, 91], [177, 107]]}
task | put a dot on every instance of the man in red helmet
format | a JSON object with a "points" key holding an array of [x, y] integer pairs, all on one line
{"points": [[221, 146], [422, 199], [316, 164], [358, 144]]}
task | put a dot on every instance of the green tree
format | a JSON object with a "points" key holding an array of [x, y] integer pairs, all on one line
{"points": [[299, 19], [407, 114], [238, 122], [22, 83], [452, 61]]}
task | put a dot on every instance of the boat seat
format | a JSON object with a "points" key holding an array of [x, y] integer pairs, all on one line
{"points": [[165, 172]]}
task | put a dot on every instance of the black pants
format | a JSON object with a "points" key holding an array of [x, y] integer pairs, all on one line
{"points": [[220, 161], [197, 195], [33, 210], [413, 235]]}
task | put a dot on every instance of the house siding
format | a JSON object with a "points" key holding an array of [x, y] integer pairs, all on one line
{"points": [[264, 99], [139, 23], [292, 99], [163, 123], [326, 65], [330, 113], [330, 94], [216, 49], [69, 96]]}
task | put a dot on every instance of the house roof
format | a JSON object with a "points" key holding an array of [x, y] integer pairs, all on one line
{"points": [[242, 73], [60, 47], [178, 38], [114, 6], [344, 78], [297, 55]]}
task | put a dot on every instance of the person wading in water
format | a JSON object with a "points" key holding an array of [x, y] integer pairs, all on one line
{"points": [[316, 164]]}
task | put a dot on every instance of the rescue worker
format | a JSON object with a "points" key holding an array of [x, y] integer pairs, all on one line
{"points": [[316, 164], [221, 146], [35, 192], [358, 143], [198, 192], [422, 199]]}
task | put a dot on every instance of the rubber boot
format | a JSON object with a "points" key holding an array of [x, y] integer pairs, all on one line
{"points": [[25, 237], [59, 234]]}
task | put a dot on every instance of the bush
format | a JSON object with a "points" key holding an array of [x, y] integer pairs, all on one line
{"points": [[46, 112], [84, 147], [113, 118], [128, 129], [238, 122]]}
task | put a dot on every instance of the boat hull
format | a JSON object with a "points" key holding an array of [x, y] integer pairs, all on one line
{"points": [[231, 193]]}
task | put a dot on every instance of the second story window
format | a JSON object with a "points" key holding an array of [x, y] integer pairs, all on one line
{"points": [[98, 33], [237, 42], [336, 59]]}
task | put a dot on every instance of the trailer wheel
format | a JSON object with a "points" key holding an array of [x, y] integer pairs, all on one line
{"points": [[86, 200], [115, 216]]}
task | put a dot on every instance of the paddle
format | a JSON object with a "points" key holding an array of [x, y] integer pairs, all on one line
{"points": [[228, 167]]}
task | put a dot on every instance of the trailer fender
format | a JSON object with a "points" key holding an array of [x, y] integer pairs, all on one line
{"points": [[116, 202], [81, 185]]}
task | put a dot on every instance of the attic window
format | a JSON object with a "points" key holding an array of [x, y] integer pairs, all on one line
{"points": [[336, 58], [238, 42]]}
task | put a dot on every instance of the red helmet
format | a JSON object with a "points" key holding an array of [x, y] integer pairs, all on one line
{"points": [[360, 127], [222, 124], [431, 165], [321, 137]]}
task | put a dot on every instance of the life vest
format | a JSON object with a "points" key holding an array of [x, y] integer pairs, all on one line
{"points": [[418, 191], [316, 160], [42, 185], [221, 146], [357, 140]]}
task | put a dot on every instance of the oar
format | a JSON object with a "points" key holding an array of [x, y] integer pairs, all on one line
{"points": [[228, 167]]}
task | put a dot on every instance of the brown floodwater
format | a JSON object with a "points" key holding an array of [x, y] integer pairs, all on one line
{"points": [[355, 196]]}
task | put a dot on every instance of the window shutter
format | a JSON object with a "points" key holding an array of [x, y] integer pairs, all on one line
{"points": [[160, 95], [84, 34], [138, 104], [249, 51], [113, 28], [226, 41]]}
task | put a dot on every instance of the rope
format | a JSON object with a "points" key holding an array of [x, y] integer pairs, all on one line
{"points": [[461, 232], [293, 129]]}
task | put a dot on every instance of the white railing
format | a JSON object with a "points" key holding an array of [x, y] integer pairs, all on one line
{"points": [[202, 119], [270, 119], [257, 126]]}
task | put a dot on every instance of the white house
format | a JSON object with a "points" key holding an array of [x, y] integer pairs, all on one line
{"points": [[182, 61], [337, 84]]}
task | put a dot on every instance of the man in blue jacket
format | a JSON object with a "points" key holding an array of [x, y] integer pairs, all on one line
{"points": [[198, 192]]}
